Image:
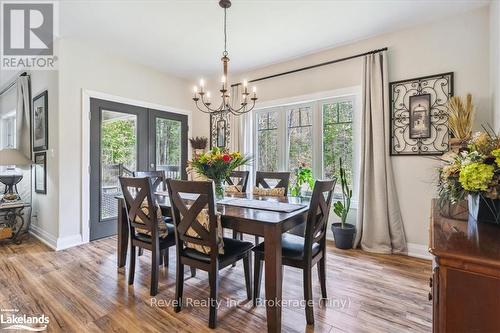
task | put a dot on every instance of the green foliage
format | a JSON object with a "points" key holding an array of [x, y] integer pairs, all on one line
{"points": [[476, 176], [217, 164], [118, 142], [303, 176], [341, 208]]}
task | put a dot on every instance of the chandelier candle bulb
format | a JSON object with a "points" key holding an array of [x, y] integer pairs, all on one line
{"points": [[226, 105]]}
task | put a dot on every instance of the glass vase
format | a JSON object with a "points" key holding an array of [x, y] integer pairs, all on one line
{"points": [[219, 189]]}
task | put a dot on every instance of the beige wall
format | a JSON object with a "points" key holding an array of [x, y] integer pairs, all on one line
{"points": [[459, 44], [84, 67]]}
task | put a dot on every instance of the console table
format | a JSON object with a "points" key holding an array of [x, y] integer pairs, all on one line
{"points": [[465, 284], [16, 216]]}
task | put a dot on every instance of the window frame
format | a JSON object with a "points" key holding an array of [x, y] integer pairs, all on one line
{"points": [[316, 101]]}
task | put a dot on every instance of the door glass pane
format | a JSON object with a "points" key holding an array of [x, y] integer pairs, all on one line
{"points": [[118, 156], [168, 147], [267, 141]]}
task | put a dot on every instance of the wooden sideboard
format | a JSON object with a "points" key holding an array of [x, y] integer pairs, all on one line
{"points": [[465, 284]]}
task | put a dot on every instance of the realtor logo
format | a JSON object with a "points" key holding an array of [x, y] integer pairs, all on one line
{"points": [[28, 30]]}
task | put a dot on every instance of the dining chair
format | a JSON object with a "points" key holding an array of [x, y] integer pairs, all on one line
{"points": [[282, 180], [200, 242], [305, 252], [147, 228], [238, 178], [157, 178]]}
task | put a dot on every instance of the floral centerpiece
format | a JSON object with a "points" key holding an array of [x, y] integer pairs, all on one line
{"points": [[217, 165], [474, 173]]}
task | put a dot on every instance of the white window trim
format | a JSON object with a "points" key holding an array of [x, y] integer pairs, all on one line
{"points": [[316, 100]]}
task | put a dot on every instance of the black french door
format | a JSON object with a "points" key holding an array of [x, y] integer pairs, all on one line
{"points": [[123, 139]]}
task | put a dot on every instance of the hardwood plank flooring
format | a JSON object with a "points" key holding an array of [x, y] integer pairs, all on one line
{"points": [[80, 289]]}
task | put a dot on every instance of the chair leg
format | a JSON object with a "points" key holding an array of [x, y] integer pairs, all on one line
{"points": [[131, 266], [247, 267], [235, 236], [213, 277], [155, 262], [165, 257], [257, 278], [193, 271], [322, 276], [308, 295], [179, 285]]}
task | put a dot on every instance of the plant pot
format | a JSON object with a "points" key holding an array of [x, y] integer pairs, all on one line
{"points": [[484, 210], [344, 237]]}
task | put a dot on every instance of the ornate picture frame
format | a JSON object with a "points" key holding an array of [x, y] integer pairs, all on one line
{"points": [[220, 134], [419, 123]]}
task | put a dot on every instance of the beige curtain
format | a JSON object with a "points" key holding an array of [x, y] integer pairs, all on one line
{"points": [[379, 222], [23, 130]]}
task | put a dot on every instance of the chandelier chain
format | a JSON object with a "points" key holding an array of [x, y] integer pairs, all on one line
{"points": [[225, 34]]}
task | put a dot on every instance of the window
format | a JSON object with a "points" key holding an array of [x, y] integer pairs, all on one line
{"points": [[267, 136], [8, 130], [337, 138], [315, 134]]}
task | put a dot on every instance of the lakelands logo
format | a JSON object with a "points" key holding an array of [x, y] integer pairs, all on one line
{"points": [[11, 320], [27, 39]]}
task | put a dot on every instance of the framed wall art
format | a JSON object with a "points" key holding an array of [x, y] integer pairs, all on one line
{"points": [[40, 122], [41, 172], [220, 130], [419, 121]]}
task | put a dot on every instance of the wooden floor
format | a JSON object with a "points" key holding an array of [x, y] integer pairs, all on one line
{"points": [[81, 290]]}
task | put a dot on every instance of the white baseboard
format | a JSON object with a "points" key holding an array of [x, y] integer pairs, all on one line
{"points": [[418, 251], [68, 241], [43, 236]]}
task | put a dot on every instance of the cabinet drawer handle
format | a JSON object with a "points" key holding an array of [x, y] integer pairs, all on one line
{"points": [[429, 296], [430, 282]]}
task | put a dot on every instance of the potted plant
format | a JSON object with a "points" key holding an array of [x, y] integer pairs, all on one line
{"points": [[343, 232], [460, 118], [217, 165], [199, 144], [303, 175], [474, 173]]}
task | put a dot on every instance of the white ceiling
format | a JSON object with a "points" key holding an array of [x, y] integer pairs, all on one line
{"points": [[185, 38]]}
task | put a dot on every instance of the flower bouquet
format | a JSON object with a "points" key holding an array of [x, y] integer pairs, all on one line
{"points": [[217, 164], [474, 173]]}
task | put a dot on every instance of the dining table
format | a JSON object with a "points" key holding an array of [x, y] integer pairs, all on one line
{"points": [[259, 220]]}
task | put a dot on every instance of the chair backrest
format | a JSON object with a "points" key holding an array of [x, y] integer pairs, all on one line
{"points": [[185, 213], [282, 177], [157, 178], [135, 192], [317, 217], [242, 179]]}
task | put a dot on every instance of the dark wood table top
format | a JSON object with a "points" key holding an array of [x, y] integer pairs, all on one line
{"points": [[252, 214], [474, 242]]}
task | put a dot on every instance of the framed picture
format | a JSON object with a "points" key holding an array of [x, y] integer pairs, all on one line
{"points": [[221, 133], [419, 115], [40, 122], [41, 172]]}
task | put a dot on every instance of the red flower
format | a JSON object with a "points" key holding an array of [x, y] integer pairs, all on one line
{"points": [[226, 158]]}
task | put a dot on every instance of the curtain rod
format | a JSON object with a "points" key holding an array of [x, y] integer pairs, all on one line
{"points": [[12, 83], [314, 66]]}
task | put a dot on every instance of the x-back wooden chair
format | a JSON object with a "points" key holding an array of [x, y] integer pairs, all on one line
{"points": [[305, 252], [207, 255], [242, 179], [157, 178], [283, 179], [143, 215]]}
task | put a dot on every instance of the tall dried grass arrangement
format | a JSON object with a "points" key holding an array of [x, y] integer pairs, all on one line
{"points": [[460, 117]]}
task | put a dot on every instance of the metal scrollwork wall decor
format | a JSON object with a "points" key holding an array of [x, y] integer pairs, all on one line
{"points": [[220, 133], [419, 121]]}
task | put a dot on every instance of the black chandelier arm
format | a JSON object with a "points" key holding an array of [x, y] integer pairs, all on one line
{"points": [[220, 108], [243, 107], [207, 110]]}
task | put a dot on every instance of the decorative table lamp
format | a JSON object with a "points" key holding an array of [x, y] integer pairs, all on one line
{"points": [[12, 209]]}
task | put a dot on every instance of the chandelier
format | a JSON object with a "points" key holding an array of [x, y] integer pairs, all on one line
{"points": [[202, 97]]}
